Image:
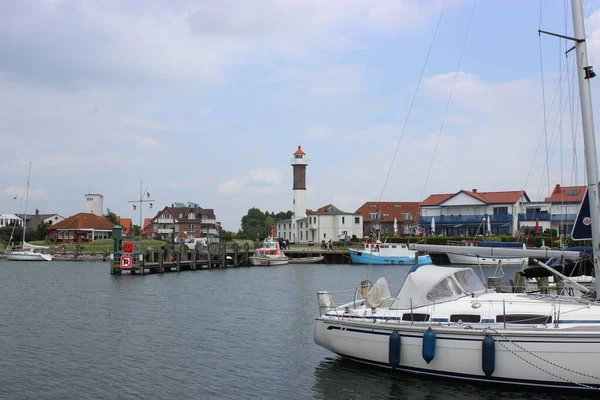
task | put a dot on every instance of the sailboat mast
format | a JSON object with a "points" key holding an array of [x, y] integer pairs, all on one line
{"points": [[26, 202], [584, 72]]}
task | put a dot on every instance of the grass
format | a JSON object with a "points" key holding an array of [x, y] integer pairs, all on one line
{"points": [[102, 245]]}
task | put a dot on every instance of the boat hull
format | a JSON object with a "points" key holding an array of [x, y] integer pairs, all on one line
{"points": [[458, 352], [268, 261], [27, 256], [360, 257], [470, 259], [306, 260]]}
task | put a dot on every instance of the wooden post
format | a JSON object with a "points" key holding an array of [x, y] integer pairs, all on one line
{"points": [[236, 260], [208, 252], [223, 255], [161, 260], [194, 255], [178, 261]]}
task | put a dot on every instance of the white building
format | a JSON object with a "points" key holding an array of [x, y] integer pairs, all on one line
{"points": [[10, 220], [325, 223], [94, 204]]}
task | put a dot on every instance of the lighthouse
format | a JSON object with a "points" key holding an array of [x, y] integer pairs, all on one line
{"points": [[299, 163]]}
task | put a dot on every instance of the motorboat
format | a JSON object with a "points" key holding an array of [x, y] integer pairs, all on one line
{"points": [[269, 253], [387, 253]]}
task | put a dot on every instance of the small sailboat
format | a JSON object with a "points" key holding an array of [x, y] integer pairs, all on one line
{"points": [[28, 252]]}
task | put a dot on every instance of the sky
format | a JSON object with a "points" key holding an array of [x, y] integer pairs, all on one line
{"points": [[206, 101]]}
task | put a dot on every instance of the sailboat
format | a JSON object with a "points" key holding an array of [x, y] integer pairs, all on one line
{"points": [[28, 252], [445, 322]]}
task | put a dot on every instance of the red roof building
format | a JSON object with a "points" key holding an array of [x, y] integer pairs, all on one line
{"points": [[381, 215], [126, 224], [82, 227], [147, 229], [187, 222]]}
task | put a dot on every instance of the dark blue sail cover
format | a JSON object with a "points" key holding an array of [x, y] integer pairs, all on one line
{"points": [[582, 229]]}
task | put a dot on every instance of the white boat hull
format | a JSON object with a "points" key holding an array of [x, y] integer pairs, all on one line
{"points": [[458, 352], [470, 259], [268, 261], [28, 256]]}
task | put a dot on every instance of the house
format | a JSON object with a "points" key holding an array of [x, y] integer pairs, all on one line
{"points": [[380, 216], [185, 221], [327, 222], [465, 213], [10, 220], [126, 224], [147, 229], [82, 227], [37, 219]]}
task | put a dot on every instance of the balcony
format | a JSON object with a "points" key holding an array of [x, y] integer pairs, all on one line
{"points": [[465, 219], [208, 221], [165, 230], [209, 231], [545, 216]]}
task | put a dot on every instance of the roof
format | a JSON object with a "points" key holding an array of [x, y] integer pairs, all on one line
{"points": [[34, 220], [126, 224], [83, 221], [328, 209], [388, 210], [184, 211], [147, 222], [9, 216], [501, 197], [299, 151], [567, 194]]}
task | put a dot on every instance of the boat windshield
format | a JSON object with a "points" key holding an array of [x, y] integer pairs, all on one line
{"points": [[446, 289], [469, 281]]}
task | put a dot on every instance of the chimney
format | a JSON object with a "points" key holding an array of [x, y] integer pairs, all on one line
{"points": [[474, 190]]}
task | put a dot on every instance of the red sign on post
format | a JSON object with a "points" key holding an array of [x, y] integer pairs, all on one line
{"points": [[126, 262], [127, 247]]}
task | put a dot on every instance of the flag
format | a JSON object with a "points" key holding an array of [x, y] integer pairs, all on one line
{"points": [[151, 205], [395, 226], [537, 226], [432, 225], [489, 225], [134, 207], [148, 194]]}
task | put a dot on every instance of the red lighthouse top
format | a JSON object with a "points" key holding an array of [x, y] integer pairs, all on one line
{"points": [[299, 151]]}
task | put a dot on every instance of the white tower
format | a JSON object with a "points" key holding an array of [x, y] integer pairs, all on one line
{"points": [[94, 203], [299, 163]]}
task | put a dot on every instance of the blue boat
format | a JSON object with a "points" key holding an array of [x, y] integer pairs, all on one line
{"points": [[388, 253]]}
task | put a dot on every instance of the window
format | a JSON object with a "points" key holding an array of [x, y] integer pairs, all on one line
{"points": [[373, 205], [398, 205], [572, 192], [374, 215], [444, 290], [191, 228], [407, 216], [500, 210], [357, 220], [300, 235], [191, 216], [300, 228], [343, 220], [284, 235], [90, 199], [469, 281], [180, 215], [324, 236]]}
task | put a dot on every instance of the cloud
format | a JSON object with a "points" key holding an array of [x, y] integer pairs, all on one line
{"points": [[146, 142], [258, 181], [324, 79], [19, 192]]}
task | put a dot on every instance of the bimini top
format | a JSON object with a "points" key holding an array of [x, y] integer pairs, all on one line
{"points": [[430, 284]]}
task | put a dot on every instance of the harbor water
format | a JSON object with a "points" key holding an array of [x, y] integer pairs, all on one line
{"points": [[70, 330]]}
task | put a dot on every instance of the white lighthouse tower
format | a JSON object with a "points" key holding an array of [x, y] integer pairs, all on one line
{"points": [[299, 163]]}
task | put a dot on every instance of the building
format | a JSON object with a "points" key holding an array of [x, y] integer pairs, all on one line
{"points": [[82, 227], [465, 213], [10, 220], [93, 204], [35, 220], [185, 221], [126, 224], [147, 229], [380, 216], [326, 223]]}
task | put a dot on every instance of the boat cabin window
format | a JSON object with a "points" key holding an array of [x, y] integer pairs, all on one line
{"points": [[415, 317], [526, 319], [469, 281], [465, 318], [444, 290]]}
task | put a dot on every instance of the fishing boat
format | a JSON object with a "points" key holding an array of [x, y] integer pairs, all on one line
{"points": [[462, 254], [269, 253], [445, 322], [27, 252], [306, 260], [387, 253]]}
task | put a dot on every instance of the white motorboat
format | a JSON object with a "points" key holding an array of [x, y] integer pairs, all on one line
{"points": [[269, 253], [28, 252], [445, 322]]}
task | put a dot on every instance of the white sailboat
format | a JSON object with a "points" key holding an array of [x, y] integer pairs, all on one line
{"points": [[28, 252], [445, 322]]}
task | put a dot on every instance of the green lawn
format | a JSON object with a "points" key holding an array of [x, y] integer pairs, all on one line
{"points": [[104, 244]]}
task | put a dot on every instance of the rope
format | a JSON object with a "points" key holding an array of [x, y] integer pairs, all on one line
{"points": [[544, 94], [387, 177], [489, 329], [437, 142]]}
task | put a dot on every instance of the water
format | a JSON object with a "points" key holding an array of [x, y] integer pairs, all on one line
{"points": [[72, 331]]}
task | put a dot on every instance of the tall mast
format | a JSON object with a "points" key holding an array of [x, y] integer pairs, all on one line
{"points": [[26, 201], [585, 73]]}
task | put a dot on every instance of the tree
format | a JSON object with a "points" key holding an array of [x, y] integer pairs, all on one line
{"points": [[135, 230], [41, 232], [226, 236], [256, 224], [111, 216]]}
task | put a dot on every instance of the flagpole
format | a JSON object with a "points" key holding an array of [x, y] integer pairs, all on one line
{"points": [[140, 202]]}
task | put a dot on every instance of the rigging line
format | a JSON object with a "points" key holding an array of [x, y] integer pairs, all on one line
{"points": [[387, 177], [541, 13], [437, 142], [544, 102], [560, 129]]}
